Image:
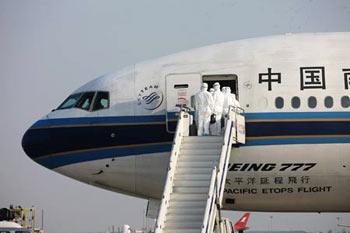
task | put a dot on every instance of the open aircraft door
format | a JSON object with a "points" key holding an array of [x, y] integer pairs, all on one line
{"points": [[180, 90]]}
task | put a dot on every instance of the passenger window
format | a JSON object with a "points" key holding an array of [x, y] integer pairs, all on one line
{"points": [[85, 101], [70, 102], [328, 102], [312, 102], [345, 101], [180, 86], [279, 102], [295, 102], [101, 101]]}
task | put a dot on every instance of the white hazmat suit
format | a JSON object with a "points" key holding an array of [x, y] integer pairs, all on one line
{"points": [[204, 108], [211, 90], [230, 100], [227, 100], [233, 96], [219, 99]]}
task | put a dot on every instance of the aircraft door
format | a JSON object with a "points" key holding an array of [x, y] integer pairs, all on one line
{"points": [[180, 90], [228, 80]]}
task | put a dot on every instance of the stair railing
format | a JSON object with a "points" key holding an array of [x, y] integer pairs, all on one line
{"points": [[230, 137], [210, 211], [182, 129]]}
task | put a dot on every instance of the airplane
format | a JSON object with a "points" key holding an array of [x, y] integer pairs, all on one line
{"points": [[116, 131], [241, 225]]}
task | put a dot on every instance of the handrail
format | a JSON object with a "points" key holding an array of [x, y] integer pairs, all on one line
{"points": [[232, 123], [181, 130], [210, 201], [226, 153]]}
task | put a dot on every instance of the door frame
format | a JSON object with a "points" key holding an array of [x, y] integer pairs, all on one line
{"points": [[167, 120]]}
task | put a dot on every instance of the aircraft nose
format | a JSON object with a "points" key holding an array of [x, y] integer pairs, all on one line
{"points": [[36, 141]]}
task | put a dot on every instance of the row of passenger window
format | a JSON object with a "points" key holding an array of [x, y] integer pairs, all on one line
{"points": [[89, 101], [312, 102]]}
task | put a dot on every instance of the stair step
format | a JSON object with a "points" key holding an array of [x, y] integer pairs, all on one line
{"points": [[188, 204], [193, 158], [193, 190], [192, 183], [182, 164], [184, 218], [188, 197], [192, 171], [192, 177], [200, 146], [183, 225], [184, 231], [196, 139], [210, 151], [186, 211]]}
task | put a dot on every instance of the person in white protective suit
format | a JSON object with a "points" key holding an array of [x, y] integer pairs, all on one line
{"points": [[227, 100], [211, 90], [204, 108], [233, 97], [219, 99], [230, 100]]}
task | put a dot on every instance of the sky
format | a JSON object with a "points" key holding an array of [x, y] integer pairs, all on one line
{"points": [[48, 48]]}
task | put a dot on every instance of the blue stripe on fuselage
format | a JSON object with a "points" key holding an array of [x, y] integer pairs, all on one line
{"points": [[71, 158], [160, 118], [97, 120], [296, 115], [281, 138], [298, 140]]}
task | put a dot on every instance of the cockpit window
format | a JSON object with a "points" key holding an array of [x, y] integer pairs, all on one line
{"points": [[70, 102], [89, 101], [101, 101], [85, 101]]}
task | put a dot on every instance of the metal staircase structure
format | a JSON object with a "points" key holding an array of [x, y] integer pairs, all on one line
{"points": [[194, 188]]}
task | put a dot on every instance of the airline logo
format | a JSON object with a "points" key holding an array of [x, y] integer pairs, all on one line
{"points": [[150, 97]]}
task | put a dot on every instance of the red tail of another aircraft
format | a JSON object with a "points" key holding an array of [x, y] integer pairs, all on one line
{"points": [[241, 224]]}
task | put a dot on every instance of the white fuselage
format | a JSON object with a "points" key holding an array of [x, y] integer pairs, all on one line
{"points": [[294, 90]]}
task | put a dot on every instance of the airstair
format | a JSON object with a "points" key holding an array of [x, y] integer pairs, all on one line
{"points": [[194, 188]]}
